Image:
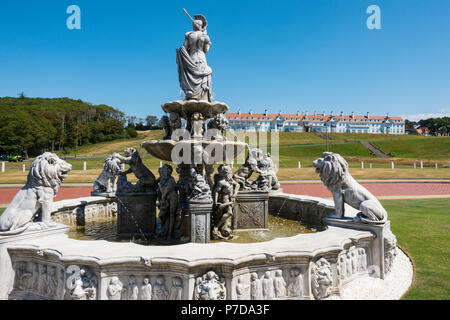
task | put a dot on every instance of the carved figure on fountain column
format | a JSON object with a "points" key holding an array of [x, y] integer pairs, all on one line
{"points": [[184, 184], [224, 194], [168, 203], [267, 179], [244, 173], [197, 127], [165, 124], [147, 180], [200, 191], [219, 123]]}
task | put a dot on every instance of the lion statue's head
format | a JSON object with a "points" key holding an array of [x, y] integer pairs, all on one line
{"points": [[331, 167], [48, 170], [112, 166]]}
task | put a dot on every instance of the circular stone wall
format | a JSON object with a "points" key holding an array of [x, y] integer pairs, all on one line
{"points": [[345, 260]]}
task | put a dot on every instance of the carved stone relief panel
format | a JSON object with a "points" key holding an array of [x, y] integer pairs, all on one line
{"points": [[210, 286], [321, 279], [390, 251], [40, 280], [295, 283], [351, 262], [81, 284], [144, 287]]}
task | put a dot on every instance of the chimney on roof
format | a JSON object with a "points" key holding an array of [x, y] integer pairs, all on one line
{"points": [[323, 113], [332, 113], [279, 113], [387, 115], [250, 112], [367, 115], [342, 113], [306, 113], [298, 112], [265, 112], [353, 115], [314, 112], [239, 111]]}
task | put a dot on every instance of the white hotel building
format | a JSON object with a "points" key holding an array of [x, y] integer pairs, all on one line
{"points": [[315, 123]]}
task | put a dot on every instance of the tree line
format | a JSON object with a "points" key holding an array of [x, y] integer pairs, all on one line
{"points": [[436, 126], [30, 126]]}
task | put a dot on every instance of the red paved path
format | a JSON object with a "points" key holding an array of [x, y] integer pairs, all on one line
{"points": [[316, 190]]}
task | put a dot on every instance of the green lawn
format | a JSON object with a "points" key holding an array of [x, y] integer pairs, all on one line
{"points": [[422, 227]]}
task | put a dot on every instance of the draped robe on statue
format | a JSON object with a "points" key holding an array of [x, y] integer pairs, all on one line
{"points": [[194, 76]]}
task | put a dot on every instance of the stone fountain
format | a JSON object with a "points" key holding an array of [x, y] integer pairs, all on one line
{"points": [[351, 251]]}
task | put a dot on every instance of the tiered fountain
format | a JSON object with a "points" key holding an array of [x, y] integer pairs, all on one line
{"points": [[352, 246]]}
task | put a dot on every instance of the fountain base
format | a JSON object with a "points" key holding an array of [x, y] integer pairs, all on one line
{"points": [[251, 210], [136, 214]]}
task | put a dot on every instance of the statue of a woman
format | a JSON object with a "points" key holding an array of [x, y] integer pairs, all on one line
{"points": [[193, 71]]}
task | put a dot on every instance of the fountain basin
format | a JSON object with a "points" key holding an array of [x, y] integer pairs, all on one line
{"points": [[294, 258], [186, 108]]}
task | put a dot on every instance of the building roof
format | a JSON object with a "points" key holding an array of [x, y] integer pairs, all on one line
{"points": [[303, 117]]}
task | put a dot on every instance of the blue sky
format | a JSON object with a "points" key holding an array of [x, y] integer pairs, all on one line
{"points": [[280, 55]]}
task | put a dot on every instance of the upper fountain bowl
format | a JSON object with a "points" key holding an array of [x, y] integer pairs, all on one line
{"points": [[186, 108]]}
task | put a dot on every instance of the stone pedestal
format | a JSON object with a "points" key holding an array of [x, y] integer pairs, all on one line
{"points": [[136, 214], [382, 233], [200, 225], [6, 267], [251, 211]]}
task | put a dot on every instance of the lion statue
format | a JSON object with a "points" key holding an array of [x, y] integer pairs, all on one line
{"points": [[44, 179], [333, 170], [146, 179], [107, 180]]}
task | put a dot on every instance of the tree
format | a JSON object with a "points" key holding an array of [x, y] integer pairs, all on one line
{"points": [[35, 125], [151, 121]]}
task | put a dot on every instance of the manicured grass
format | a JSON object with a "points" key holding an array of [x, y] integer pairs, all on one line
{"points": [[293, 147], [422, 228]]}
